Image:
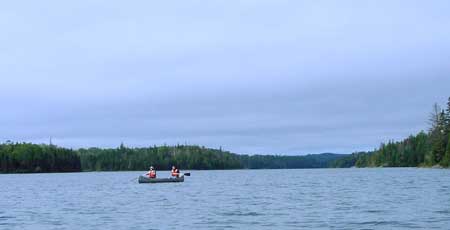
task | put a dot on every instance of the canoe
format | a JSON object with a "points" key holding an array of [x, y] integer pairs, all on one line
{"points": [[143, 179]]}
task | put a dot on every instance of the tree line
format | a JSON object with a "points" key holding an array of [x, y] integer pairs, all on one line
{"points": [[323, 160], [426, 149], [28, 158], [161, 157]]}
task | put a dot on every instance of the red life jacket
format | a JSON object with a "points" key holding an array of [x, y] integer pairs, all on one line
{"points": [[175, 172], [152, 174]]}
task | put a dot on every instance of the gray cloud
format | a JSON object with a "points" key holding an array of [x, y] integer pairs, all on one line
{"points": [[285, 77]]}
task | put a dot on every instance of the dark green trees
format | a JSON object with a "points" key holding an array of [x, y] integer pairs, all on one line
{"points": [[282, 162], [438, 133], [163, 157], [25, 158], [423, 149], [446, 158], [191, 157]]}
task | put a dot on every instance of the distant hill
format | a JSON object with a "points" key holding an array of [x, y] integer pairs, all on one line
{"points": [[323, 160]]}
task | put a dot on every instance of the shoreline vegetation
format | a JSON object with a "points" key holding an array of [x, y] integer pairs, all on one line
{"points": [[426, 149], [40, 158]]}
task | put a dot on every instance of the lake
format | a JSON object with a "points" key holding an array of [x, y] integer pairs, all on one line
{"points": [[382, 198]]}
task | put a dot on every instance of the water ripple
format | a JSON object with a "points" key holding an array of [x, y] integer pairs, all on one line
{"points": [[236, 199]]}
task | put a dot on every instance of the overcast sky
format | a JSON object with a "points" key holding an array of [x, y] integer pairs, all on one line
{"points": [[254, 76]]}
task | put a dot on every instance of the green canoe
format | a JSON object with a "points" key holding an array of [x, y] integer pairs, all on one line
{"points": [[143, 179]]}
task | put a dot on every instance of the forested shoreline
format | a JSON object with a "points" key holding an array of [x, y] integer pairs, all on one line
{"points": [[426, 149], [29, 158]]}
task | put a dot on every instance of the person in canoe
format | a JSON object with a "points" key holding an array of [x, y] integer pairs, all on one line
{"points": [[175, 172], [151, 173]]}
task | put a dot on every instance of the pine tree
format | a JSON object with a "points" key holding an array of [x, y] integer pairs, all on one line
{"points": [[446, 160], [448, 117], [437, 134]]}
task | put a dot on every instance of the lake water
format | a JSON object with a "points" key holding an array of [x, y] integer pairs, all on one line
{"points": [[402, 198]]}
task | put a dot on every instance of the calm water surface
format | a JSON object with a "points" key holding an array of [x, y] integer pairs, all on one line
{"points": [[403, 198]]}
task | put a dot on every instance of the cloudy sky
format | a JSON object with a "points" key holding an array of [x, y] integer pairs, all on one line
{"points": [[254, 76]]}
